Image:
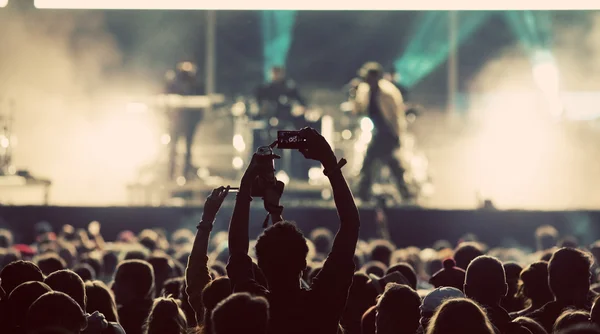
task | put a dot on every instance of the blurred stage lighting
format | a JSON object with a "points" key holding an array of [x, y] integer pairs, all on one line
{"points": [[165, 139], [238, 143], [136, 107], [181, 181], [366, 124], [3, 3], [346, 134], [546, 74], [238, 109], [283, 177], [237, 163], [315, 174]]}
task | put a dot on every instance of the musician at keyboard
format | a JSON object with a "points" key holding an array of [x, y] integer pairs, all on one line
{"points": [[183, 121]]}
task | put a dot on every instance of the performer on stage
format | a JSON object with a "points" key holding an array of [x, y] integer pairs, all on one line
{"points": [[382, 102], [183, 121], [395, 78], [277, 98]]}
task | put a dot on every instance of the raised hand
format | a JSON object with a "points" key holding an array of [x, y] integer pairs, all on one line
{"points": [[213, 203], [317, 148]]}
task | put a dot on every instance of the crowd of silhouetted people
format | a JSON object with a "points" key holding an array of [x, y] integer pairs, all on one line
{"points": [[285, 282]]}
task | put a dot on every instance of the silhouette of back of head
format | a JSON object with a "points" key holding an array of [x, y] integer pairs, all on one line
{"points": [[100, 298], [322, 238], [546, 237], [134, 280], [465, 253], [407, 271], [166, 317], [569, 275], [281, 253], [251, 315], [49, 263], [398, 310], [535, 283], [214, 292], [70, 283], [19, 272], [460, 315], [56, 310], [485, 280], [21, 298], [570, 318]]}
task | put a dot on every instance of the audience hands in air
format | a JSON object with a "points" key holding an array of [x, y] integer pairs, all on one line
{"points": [[213, 203]]}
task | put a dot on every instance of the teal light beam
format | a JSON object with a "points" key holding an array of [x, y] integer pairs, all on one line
{"points": [[429, 46], [277, 33]]}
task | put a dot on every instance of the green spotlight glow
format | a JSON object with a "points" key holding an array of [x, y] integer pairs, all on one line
{"points": [[429, 46], [277, 32], [533, 29]]}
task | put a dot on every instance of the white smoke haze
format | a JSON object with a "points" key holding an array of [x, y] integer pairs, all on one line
{"points": [[53, 65], [522, 158]]}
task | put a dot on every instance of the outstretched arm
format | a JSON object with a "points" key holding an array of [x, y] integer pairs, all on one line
{"points": [[197, 275]]}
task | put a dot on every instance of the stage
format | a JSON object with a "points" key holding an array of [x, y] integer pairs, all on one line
{"points": [[408, 226]]}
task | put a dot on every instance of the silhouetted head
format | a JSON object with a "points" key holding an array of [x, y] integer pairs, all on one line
{"points": [[595, 312], [100, 298], [398, 310], [546, 237], [569, 275], [56, 310], [85, 271], [6, 238], [163, 267], [214, 292], [375, 268], [49, 263], [485, 281], [581, 329], [134, 281], [251, 314], [407, 271], [17, 273], [534, 280], [277, 73], [434, 299], [322, 238], [173, 287], [281, 253], [465, 253], [166, 317], [21, 298], [381, 250], [570, 318], [460, 315], [533, 326], [70, 283], [371, 73]]}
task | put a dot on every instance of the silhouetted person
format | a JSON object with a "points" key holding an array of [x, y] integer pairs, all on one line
{"points": [[184, 121], [382, 102], [49, 263], [512, 302], [281, 252], [432, 302], [449, 276], [460, 315], [569, 280], [398, 310], [381, 250], [546, 237], [251, 315], [533, 326], [18, 304], [56, 310], [407, 271], [535, 287], [100, 298], [166, 317], [163, 267], [485, 283], [17, 273], [595, 312], [360, 298], [570, 318], [214, 292], [581, 329], [134, 291], [465, 253]]}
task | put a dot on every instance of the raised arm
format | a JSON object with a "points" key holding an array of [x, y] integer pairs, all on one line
{"points": [[197, 275], [347, 236]]}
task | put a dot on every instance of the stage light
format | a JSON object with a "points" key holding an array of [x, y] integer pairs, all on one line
{"points": [[203, 173], [4, 142], [283, 177], [327, 130], [181, 181], [135, 107], [315, 174], [165, 139], [429, 44], [326, 194], [238, 109], [346, 134], [366, 124], [237, 163], [238, 143], [545, 73], [3, 3], [273, 121]]}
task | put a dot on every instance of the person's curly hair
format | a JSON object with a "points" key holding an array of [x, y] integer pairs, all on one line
{"points": [[281, 250]]}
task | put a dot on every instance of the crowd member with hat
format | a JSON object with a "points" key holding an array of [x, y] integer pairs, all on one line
{"points": [[450, 276], [434, 299]]}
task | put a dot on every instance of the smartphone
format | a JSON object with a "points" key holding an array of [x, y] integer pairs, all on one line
{"points": [[290, 140]]}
